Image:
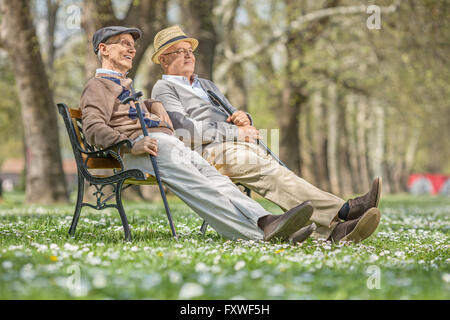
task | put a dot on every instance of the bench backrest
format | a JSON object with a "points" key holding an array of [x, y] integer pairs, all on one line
{"points": [[74, 126]]}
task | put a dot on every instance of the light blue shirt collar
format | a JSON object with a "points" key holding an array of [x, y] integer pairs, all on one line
{"points": [[107, 71], [180, 79], [196, 86]]}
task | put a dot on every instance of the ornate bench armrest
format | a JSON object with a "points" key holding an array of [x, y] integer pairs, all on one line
{"points": [[104, 153], [111, 151]]}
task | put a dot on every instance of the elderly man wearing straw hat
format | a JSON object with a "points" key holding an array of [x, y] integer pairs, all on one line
{"points": [[227, 142], [212, 196]]}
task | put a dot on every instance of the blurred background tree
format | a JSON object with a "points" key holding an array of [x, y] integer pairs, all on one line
{"points": [[44, 173], [350, 102]]}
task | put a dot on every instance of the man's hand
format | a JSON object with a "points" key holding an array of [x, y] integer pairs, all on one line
{"points": [[248, 134], [239, 118], [145, 145]]}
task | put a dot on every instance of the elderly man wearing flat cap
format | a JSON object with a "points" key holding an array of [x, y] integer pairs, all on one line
{"points": [[211, 195], [228, 143]]}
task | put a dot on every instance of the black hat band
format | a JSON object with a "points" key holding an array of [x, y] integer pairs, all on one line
{"points": [[172, 40]]}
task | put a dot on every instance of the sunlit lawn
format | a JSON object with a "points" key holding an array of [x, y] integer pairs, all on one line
{"points": [[407, 258]]}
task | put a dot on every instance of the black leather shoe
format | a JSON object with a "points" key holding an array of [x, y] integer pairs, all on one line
{"points": [[360, 205]]}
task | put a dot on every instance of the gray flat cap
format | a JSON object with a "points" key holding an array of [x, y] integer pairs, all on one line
{"points": [[103, 34]]}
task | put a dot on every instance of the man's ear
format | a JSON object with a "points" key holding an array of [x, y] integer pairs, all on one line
{"points": [[102, 48], [162, 61]]}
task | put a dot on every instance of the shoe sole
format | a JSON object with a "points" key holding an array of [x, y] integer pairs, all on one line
{"points": [[304, 234], [366, 225], [296, 221]]}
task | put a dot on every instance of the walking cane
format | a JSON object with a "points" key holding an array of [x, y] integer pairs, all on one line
{"points": [[135, 96], [216, 100]]}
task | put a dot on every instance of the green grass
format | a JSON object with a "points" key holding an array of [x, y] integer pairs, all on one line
{"points": [[407, 258]]}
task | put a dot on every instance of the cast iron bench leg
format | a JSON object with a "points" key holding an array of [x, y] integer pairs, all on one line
{"points": [[126, 227], [78, 205]]}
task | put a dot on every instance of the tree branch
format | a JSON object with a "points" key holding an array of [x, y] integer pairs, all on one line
{"points": [[132, 14], [226, 13], [346, 83], [280, 35]]}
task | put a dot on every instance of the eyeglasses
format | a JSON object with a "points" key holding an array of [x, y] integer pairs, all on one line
{"points": [[125, 43], [179, 52]]}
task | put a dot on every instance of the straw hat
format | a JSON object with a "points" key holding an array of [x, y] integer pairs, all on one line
{"points": [[168, 37]]}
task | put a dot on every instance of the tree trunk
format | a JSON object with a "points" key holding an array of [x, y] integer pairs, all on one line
{"points": [[235, 85], [198, 23], [294, 96], [150, 16], [377, 142], [346, 179], [52, 10], [306, 151], [351, 125], [45, 181], [289, 129], [387, 184], [332, 145], [410, 154], [319, 142], [236, 90], [392, 155], [361, 124], [96, 14], [154, 71]]}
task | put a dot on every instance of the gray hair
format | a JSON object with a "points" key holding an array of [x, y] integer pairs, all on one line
{"points": [[99, 56]]}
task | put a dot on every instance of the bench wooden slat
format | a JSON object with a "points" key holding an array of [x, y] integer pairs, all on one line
{"points": [[75, 113], [102, 163]]}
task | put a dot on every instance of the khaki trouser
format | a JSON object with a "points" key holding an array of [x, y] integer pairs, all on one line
{"points": [[250, 165]]}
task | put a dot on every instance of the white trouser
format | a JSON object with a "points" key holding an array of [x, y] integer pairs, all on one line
{"points": [[210, 194]]}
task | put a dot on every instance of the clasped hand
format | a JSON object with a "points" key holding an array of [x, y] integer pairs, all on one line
{"points": [[247, 132]]}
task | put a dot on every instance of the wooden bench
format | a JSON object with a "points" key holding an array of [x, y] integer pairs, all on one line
{"points": [[88, 158]]}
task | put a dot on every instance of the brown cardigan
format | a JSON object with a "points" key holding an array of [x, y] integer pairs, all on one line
{"points": [[106, 121]]}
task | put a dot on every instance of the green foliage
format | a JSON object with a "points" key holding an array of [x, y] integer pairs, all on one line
{"points": [[38, 258], [403, 67]]}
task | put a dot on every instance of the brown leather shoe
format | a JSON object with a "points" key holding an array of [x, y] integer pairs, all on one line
{"points": [[289, 222], [302, 234], [358, 229], [361, 204]]}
